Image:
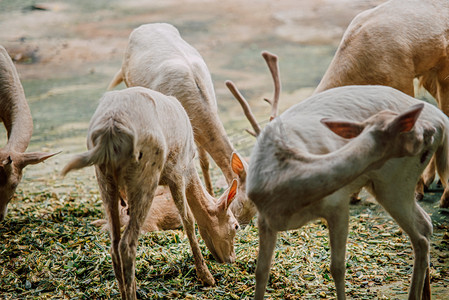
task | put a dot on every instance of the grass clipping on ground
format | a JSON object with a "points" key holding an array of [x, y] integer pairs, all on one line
{"points": [[48, 249]]}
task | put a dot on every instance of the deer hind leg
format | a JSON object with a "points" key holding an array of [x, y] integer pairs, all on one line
{"points": [[204, 163], [110, 195], [140, 191], [398, 201], [177, 189], [267, 242]]}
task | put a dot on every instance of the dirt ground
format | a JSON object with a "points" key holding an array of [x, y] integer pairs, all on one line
{"points": [[66, 52]]}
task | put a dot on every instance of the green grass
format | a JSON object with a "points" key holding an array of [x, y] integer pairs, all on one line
{"points": [[49, 250]]}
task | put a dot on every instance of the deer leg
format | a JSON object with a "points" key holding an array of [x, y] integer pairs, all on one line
{"points": [[140, 194], [425, 180], [177, 189], [109, 194], [419, 189], [443, 103], [338, 234], [354, 198], [398, 201], [429, 173], [267, 242], [204, 163], [444, 200]]}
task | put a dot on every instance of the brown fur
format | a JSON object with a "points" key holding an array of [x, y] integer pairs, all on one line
{"points": [[391, 45]]}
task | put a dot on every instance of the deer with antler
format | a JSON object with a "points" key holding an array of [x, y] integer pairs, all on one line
{"points": [[300, 170], [135, 146], [158, 58], [391, 45], [16, 116]]}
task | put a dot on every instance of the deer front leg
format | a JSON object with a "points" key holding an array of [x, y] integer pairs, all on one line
{"points": [[204, 163], [443, 103], [425, 180], [267, 242], [429, 173], [444, 201], [177, 189], [338, 233]]}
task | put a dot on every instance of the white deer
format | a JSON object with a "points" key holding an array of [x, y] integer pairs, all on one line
{"points": [[16, 116], [158, 58], [301, 171], [391, 45], [138, 139]]}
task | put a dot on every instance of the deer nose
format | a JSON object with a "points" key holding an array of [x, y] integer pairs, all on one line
{"points": [[230, 259]]}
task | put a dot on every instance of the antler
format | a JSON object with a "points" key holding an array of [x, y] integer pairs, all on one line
{"points": [[245, 106], [272, 62]]}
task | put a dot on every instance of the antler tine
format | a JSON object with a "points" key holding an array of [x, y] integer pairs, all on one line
{"points": [[245, 106], [272, 62]]}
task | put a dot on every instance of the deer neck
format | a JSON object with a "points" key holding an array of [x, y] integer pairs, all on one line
{"points": [[340, 167], [313, 177], [16, 116], [199, 200]]}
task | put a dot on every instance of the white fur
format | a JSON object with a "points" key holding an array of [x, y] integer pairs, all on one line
{"points": [[138, 139], [158, 58], [301, 171], [16, 116]]}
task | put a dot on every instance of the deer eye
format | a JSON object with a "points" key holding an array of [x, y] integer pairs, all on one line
{"points": [[237, 227]]}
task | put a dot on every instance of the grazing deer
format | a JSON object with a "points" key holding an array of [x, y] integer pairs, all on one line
{"points": [[391, 45], [139, 139], [16, 116], [301, 171], [163, 214], [158, 58]]}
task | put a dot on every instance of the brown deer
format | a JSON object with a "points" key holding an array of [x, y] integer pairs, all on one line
{"points": [[391, 45], [163, 214]]}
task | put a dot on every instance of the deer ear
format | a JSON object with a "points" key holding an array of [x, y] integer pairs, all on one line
{"points": [[237, 164], [345, 129], [229, 196], [405, 121], [32, 158]]}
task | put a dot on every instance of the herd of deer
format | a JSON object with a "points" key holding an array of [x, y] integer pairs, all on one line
{"points": [[361, 128]]}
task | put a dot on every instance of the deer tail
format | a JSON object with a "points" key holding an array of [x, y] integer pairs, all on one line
{"points": [[118, 78]]}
